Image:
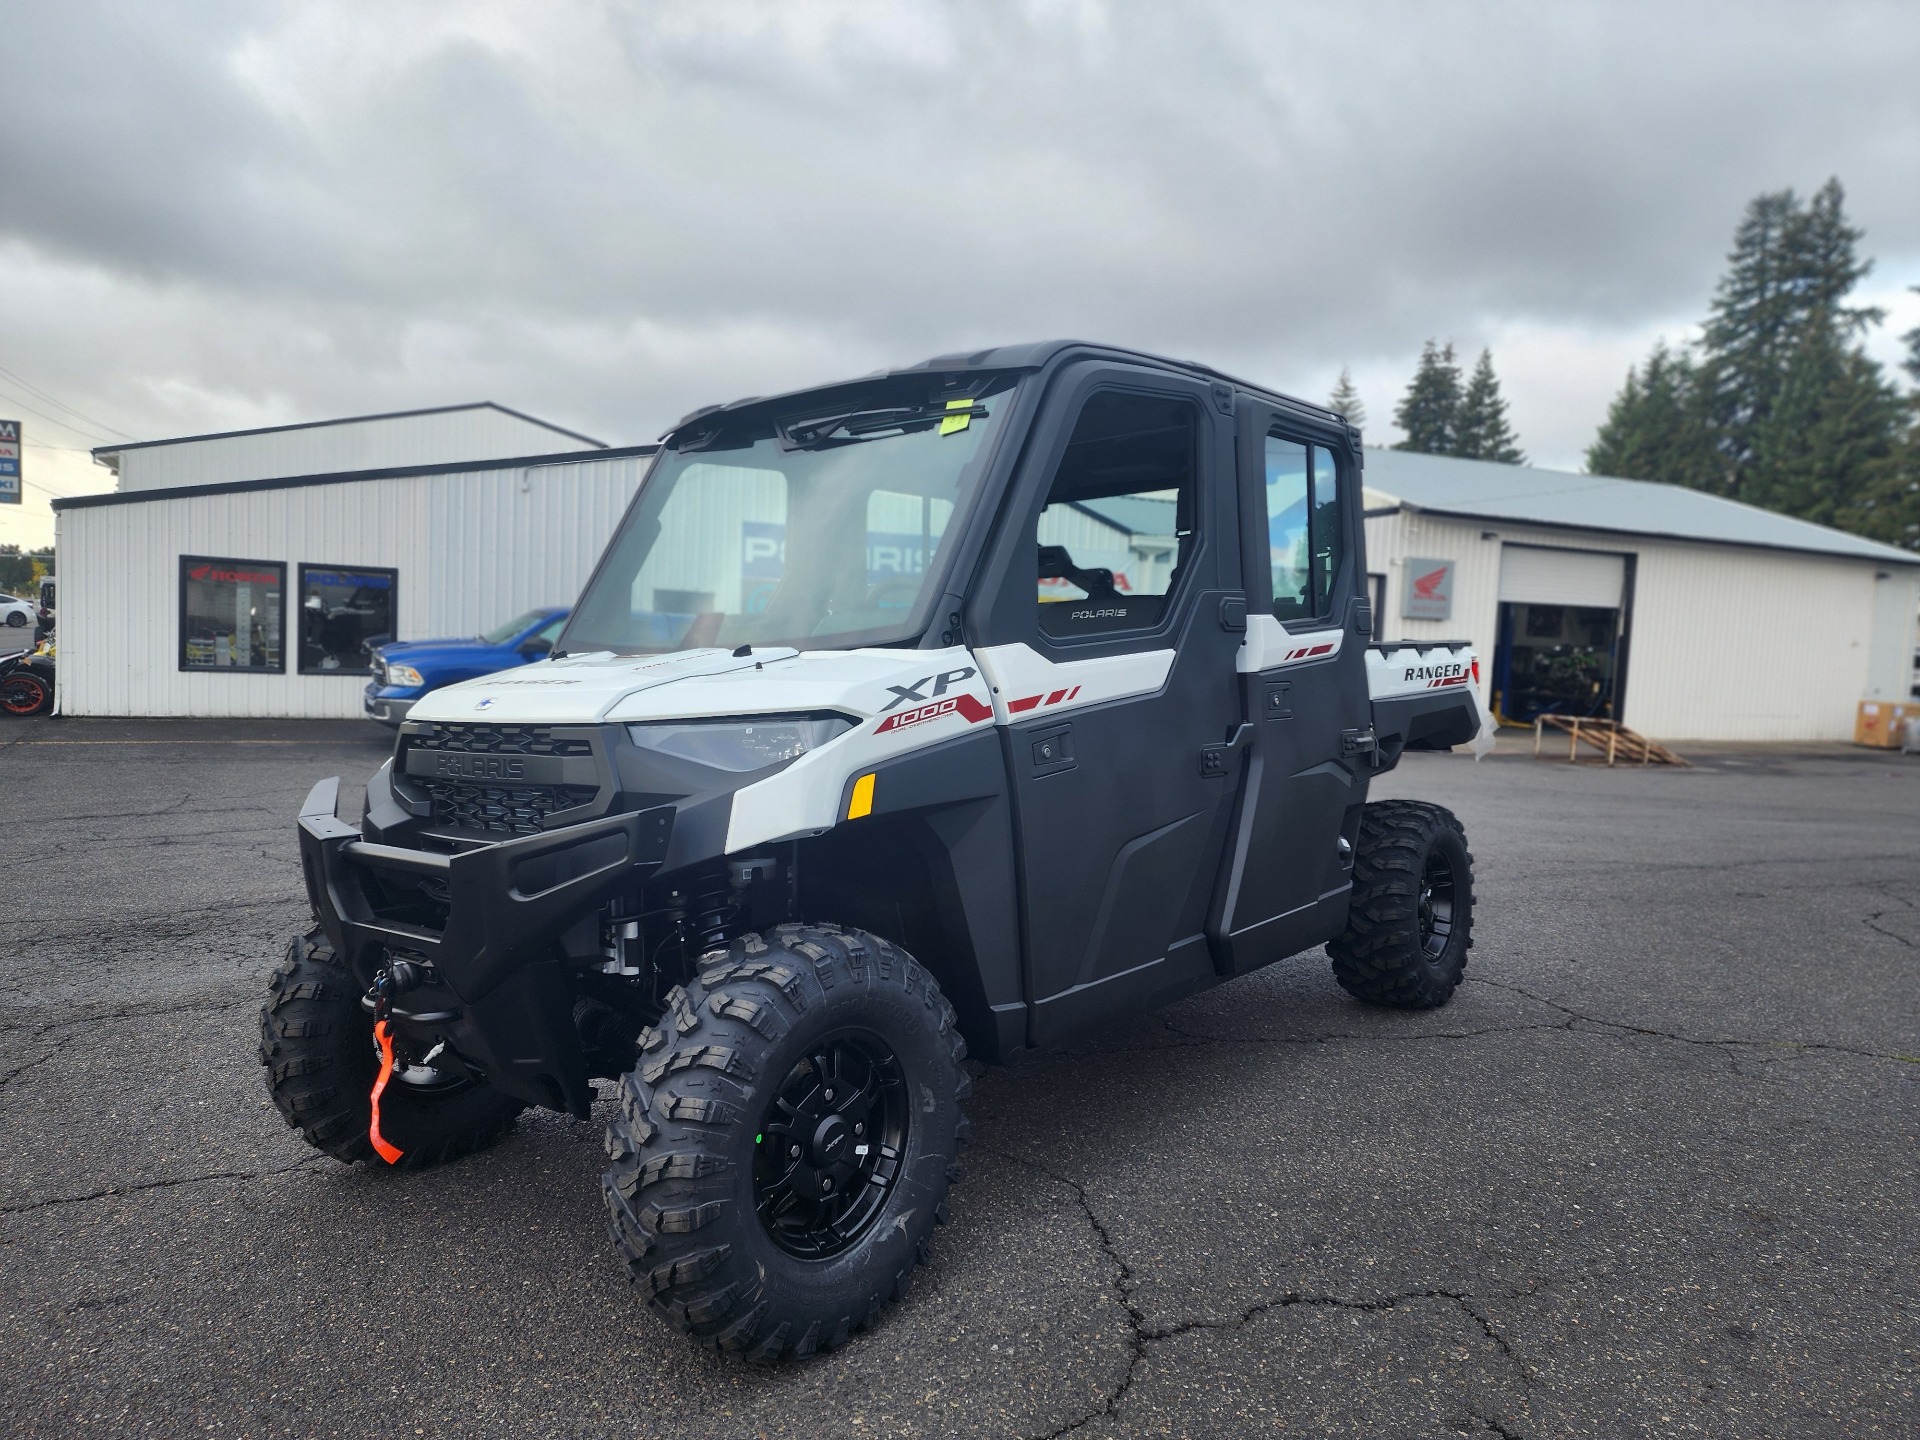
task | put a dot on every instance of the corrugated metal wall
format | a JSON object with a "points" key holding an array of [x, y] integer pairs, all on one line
{"points": [[1728, 642], [473, 548], [471, 434]]}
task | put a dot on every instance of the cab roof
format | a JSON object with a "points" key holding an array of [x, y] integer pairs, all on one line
{"points": [[1033, 355]]}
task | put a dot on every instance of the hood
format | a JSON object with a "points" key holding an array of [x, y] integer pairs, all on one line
{"points": [[408, 651], [579, 689], [697, 684]]}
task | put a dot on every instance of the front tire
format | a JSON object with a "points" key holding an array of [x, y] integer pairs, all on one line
{"points": [[1410, 924], [784, 1148], [317, 1045]]}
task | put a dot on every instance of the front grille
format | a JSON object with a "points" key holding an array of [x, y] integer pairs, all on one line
{"points": [[501, 809], [501, 740], [494, 807]]}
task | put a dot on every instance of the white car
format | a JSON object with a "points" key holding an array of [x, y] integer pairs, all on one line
{"points": [[18, 614]]}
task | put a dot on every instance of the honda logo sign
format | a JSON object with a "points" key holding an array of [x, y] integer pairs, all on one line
{"points": [[1428, 593]]}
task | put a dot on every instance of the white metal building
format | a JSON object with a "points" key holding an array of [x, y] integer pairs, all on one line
{"points": [[194, 590], [1684, 615]]}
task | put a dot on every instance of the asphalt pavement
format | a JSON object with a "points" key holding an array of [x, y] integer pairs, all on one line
{"points": [[1654, 1172]]}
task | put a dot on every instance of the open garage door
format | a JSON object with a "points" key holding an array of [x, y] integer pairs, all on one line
{"points": [[1558, 650]]}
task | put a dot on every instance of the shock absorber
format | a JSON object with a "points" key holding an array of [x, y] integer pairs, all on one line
{"points": [[715, 910]]}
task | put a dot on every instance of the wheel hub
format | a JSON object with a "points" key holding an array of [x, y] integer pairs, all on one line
{"points": [[829, 1147]]}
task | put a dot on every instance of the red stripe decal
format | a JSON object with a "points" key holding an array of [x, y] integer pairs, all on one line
{"points": [[1027, 703], [1054, 698], [1319, 650], [1073, 692]]}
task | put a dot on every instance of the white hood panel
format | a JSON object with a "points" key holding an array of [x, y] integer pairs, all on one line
{"points": [[579, 689]]}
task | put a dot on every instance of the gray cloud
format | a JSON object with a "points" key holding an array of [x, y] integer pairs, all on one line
{"points": [[228, 213]]}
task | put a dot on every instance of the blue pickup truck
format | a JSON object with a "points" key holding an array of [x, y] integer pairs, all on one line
{"points": [[404, 670]]}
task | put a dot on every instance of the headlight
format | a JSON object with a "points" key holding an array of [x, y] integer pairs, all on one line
{"points": [[403, 675], [741, 744]]}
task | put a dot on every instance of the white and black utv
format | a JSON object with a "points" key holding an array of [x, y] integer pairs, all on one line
{"points": [[945, 712]]}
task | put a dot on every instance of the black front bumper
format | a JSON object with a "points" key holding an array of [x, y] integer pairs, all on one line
{"points": [[502, 997]]}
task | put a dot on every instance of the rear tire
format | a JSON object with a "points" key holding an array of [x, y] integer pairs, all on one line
{"points": [[1410, 924], [735, 1239], [24, 693], [317, 1045]]}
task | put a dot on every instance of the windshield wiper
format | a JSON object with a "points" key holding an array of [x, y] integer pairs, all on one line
{"points": [[853, 426]]}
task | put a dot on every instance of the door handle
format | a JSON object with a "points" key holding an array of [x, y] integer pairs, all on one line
{"points": [[1213, 758]]}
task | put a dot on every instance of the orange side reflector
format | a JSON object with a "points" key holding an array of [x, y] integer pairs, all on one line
{"points": [[389, 1153], [862, 802]]}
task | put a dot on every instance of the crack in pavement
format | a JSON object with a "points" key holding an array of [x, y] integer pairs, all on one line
{"points": [[1140, 1335], [14, 1074], [1647, 1030], [313, 1162]]}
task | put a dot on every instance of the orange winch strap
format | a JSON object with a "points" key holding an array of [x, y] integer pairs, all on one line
{"points": [[389, 1153]]}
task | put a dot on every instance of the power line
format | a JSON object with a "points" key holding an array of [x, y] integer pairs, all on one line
{"points": [[60, 404], [53, 419]]}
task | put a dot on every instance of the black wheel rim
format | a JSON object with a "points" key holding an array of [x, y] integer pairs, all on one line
{"points": [[830, 1145], [1436, 905]]}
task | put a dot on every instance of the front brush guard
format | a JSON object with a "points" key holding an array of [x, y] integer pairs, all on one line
{"points": [[496, 959]]}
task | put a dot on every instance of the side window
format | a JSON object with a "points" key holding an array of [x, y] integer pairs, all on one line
{"points": [[1303, 526], [1119, 517]]}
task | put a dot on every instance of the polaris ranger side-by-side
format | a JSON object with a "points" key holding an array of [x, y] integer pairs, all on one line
{"points": [[943, 712]]}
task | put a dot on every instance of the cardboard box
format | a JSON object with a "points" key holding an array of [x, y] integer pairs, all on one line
{"points": [[1883, 723]]}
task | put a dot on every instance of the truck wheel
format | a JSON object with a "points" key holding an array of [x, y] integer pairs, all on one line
{"points": [[317, 1045], [785, 1145], [1411, 921]]}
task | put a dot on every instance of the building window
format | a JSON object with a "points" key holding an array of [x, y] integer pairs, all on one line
{"points": [[232, 615], [345, 610]]}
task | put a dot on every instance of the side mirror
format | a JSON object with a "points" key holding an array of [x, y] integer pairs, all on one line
{"points": [[537, 646]]}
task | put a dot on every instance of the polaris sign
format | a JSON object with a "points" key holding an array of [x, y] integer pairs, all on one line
{"points": [[9, 462]]}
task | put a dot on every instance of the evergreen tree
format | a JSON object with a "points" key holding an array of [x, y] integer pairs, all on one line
{"points": [[1787, 280], [1430, 410], [1912, 363], [1481, 431], [1829, 445], [1655, 429], [1780, 407], [1345, 400]]}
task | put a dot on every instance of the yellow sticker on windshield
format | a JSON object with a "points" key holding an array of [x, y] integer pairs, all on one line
{"points": [[954, 424]]}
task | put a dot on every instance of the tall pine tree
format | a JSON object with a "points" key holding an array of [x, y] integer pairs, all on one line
{"points": [[1655, 429], [1779, 406], [1430, 410], [1345, 400], [1481, 430], [1792, 267]]}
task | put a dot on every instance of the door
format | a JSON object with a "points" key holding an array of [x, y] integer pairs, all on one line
{"points": [[1121, 710], [1304, 669], [1557, 650]]}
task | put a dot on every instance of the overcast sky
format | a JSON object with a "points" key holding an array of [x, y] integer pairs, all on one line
{"points": [[216, 215]]}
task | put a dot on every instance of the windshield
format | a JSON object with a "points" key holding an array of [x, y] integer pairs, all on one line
{"points": [[821, 529], [500, 634]]}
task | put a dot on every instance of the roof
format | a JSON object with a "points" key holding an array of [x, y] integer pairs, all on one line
{"points": [[1487, 490], [343, 477], [1032, 355], [100, 451]]}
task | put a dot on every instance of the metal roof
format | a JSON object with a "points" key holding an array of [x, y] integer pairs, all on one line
{"points": [[1486, 490], [100, 452], [346, 477]]}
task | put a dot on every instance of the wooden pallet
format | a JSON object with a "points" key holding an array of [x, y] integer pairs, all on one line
{"points": [[1609, 737]]}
